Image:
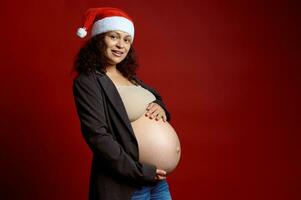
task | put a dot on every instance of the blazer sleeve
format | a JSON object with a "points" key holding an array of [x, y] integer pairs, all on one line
{"points": [[89, 104], [158, 100]]}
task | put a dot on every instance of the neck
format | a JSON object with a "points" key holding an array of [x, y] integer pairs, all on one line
{"points": [[112, 69]]}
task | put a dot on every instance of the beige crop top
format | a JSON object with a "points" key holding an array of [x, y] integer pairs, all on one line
{"points": [[135, 99]]}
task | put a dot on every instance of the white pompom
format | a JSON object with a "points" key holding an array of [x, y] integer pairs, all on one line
{"points": [[81, 32]]}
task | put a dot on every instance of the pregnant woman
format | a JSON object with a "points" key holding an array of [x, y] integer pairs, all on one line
{"points": [[123, 120]]}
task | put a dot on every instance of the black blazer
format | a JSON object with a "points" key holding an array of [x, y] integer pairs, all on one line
{"points": [[116, 171]]}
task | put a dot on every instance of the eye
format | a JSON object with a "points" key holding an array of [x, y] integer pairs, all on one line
{"points": [[113, 36], [127, 40]]}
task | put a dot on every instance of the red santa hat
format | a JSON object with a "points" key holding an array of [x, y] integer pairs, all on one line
{"points": [[106, 19]]}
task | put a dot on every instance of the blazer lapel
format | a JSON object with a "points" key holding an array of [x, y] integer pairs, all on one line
{"points": [[114, 97]]}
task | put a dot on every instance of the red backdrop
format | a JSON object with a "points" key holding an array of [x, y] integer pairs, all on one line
{"points": [[235, 63]]}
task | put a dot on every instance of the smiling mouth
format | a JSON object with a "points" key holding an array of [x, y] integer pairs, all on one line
{"points": [[117, 53]]}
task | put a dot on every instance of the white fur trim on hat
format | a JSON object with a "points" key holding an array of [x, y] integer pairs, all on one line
{"points": [[113, 23]]}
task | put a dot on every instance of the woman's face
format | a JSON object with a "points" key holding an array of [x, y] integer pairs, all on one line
{"points": [[118, 44]]}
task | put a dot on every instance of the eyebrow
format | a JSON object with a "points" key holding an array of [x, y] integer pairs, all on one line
{"points": [[119, 34]]}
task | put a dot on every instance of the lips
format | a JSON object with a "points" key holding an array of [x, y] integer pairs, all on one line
{"points": [[117, 53]]}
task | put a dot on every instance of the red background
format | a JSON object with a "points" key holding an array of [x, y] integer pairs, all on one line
{"points": [[227, 71]]}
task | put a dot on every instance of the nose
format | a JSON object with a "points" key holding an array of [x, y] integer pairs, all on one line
{"points": [[120, 43]]}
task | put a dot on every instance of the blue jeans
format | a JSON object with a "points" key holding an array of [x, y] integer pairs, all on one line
{"points": [[160, 191]]}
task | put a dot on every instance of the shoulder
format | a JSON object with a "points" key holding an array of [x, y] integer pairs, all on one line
{"points": [[138, 80], [86, 83], [86, 79], [142, 82]]}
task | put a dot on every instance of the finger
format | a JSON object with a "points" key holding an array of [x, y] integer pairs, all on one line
{"points": [[160, 178], [153, 106], [157, 114], [150, 110], [150, 105], [160, 116], [154, 114], [161, 172]]}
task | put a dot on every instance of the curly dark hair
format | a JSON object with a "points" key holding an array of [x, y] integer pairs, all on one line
{"points": [[91, 57]]}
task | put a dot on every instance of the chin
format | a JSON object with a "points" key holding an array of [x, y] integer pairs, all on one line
{"points": [[115, 62]]}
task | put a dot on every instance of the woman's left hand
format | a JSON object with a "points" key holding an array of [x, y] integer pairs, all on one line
{"points": [[154, 110]]}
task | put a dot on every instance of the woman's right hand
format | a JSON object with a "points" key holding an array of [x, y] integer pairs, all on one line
{"points": [[160, 174]]}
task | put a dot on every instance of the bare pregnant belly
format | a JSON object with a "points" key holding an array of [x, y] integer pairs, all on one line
{"points": [[158, 143]]}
